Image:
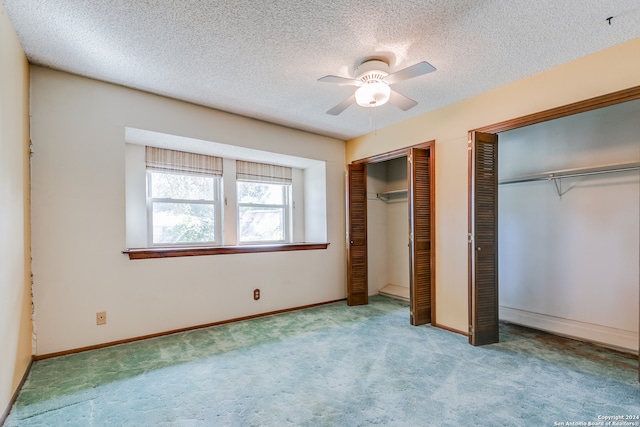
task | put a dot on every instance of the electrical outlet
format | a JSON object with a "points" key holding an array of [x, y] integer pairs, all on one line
{"points": [[101, 318], [256, 294]]}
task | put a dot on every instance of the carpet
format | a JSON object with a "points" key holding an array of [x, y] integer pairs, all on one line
{"points": [[333, 365]]}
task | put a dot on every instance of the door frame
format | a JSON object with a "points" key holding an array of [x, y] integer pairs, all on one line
{"points": [[405, 152], [607, 100]]}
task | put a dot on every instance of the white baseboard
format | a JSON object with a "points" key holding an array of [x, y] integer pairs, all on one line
{"points": [[611, 337]]}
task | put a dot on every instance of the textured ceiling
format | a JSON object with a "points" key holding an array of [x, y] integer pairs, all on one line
{"points": [[262, 59]]}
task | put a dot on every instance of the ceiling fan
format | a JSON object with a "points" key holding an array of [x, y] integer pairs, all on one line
{"points": [[373, 80]]}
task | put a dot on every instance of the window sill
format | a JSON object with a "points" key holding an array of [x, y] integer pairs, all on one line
{"points": [[145, 253]]}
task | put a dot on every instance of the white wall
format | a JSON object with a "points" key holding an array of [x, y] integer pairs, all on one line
{"points": [[387, 226], [570, 265], [315, 184], [15, 269], [78, 132], [377, 238], [398, 224]]}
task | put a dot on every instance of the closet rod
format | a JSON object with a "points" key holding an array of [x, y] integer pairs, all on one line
{"points": [[571, 173]]}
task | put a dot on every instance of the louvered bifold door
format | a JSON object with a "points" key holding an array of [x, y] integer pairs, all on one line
{"points": [[420, 235], [357, 289], [483, 239]]}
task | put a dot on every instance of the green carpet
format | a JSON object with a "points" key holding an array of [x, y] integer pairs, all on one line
{"points": [[332, 366]]}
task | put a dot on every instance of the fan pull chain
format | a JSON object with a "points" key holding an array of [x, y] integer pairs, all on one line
{"points": [[373, 120], [370, 120]]}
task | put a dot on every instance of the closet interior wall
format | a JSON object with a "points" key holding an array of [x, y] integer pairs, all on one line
{"points": [[387, 225], [568, 255]]}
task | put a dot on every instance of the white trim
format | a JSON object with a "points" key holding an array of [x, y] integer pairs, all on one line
{"points": [[611, 337], [215, 202], [286, 209]]}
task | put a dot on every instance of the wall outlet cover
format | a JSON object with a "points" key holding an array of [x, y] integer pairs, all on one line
{"points": [[101, 318]]}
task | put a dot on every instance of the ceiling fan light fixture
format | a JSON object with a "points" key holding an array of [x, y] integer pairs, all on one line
{"points": [[373, 94], [373, 80]]}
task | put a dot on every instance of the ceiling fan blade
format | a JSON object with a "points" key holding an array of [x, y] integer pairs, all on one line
{"points": [[342, 106], [414, 70], [338, 80], [401, 101]]}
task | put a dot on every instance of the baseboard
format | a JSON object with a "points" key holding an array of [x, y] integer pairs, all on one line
{"points": [[447, 328], [395, 291], [14, 397], [176, 331], [618, 339]]}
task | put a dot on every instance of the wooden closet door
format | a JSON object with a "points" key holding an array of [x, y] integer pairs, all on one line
{"points": [[420, 184], [357, 280], [483, 239]]}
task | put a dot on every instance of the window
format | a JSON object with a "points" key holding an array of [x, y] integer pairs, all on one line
{"points": [[264, 208], [263, 212], [220, 198], [183, 198]]}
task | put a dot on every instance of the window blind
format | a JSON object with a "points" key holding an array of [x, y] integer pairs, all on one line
{"points": [[261, 172], [161, 159]]}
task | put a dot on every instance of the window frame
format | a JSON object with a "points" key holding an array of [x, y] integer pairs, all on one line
{"points": [[287, 206], [218, 211]]}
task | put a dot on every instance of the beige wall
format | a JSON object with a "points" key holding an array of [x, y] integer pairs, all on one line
{"points": [[15, 269], [601, 73], [78, 219]]}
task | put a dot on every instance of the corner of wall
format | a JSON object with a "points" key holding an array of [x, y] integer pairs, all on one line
{"points": [[15, 229]]}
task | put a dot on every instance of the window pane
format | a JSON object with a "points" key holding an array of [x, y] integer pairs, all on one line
{"points": [[255, 192], [261, 224], [174, 186], [183, 223]]}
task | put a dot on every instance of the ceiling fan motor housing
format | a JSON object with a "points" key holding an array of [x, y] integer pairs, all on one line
{"points": [[373, 69]]}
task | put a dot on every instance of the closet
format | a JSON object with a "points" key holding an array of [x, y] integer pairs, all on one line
{"points": [[390, 230], [568, 227], [555, 222]]}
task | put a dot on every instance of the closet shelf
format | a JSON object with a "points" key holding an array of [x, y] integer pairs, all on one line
{"points": [[570, 173], [389, 196]]}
